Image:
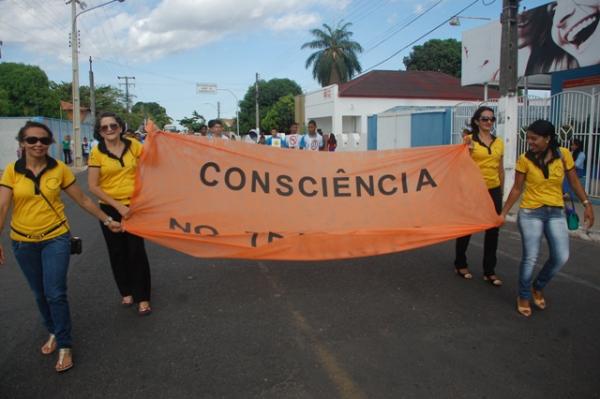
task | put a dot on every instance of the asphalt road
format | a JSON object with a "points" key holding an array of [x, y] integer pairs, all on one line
{"points": [[394, 326]]}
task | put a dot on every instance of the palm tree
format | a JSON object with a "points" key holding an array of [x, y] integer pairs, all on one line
{"points": [[336, 60]]}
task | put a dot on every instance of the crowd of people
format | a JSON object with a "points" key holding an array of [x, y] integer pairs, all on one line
{"points": [[42, 242], [314, 139]]}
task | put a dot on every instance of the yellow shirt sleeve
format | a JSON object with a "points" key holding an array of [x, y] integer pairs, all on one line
{"points": [[522, 164], [568, 158], [94, 159], [68, 178], [8, 177]]}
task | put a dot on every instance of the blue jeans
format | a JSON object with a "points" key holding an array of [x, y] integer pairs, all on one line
{"points": [[549, 221], [45, 265]]}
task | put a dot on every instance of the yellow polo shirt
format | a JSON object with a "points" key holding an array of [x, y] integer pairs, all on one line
{"points": [[31, 215], [117, 175], [543, 190], [488, 160]]}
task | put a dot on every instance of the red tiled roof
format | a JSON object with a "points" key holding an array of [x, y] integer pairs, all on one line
{"points": [[412, 84]]}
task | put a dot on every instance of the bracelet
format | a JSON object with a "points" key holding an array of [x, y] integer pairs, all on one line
{"points": [[586, 202], [108, 220]]}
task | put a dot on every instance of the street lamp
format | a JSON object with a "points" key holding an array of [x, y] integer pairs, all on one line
{"points": [[212, 89], [237, 109], [75, 66], [455, 20]]}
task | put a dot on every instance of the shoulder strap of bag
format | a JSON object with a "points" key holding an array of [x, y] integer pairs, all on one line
{"points": [[567, 179], [62, 221]]}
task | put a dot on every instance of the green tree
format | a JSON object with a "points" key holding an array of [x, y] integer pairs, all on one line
{"points": [[4, 102], [27, 89], [436, 55], [269, 93], [194, 122], [335, 60], [281, 114], [152, 110], [108, 98]]}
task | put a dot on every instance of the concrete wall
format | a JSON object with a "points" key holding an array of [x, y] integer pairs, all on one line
{"points": [[9, 127], [325, 103]]}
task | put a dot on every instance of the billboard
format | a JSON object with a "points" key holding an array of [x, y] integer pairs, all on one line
{"points": [[554, 37]]}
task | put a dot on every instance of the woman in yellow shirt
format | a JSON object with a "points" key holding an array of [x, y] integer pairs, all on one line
{"points": [[40, 231], [487, 151], [539, 176], [111, 177]]}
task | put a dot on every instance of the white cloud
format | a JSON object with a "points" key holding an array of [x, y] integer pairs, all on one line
{"points": [[150, 33], [293, 21]]}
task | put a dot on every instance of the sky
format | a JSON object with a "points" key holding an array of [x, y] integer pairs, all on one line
{"points": [[171, 45]]}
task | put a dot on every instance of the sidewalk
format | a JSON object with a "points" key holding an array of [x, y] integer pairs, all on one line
{"points": [[589, 235]]}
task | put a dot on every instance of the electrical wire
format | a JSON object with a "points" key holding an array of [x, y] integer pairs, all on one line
{"points": [[404, 26], [418, 39]]}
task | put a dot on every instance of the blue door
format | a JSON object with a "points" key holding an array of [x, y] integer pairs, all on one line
{"points": [[430, 128], [372, 132]]}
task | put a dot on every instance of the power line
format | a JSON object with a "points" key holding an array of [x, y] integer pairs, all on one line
{"points": [[404, 26], [419, 38]]}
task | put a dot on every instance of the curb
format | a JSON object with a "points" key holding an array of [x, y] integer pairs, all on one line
{"points": [[586, 235]]}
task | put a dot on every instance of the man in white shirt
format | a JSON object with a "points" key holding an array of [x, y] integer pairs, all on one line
{"points": [[311, 141], [216, 129]]}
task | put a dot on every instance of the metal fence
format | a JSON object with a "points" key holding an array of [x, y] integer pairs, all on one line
{"points": [[575, 114]]}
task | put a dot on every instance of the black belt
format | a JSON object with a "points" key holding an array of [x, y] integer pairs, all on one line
{"points": [[38, 236]]}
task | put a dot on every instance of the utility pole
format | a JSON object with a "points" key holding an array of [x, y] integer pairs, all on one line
{"points": [[75, 89], [75, 67], [92, 93], [127, 84], [257, 110], [1, 48], [218, 110], [508, 105]]}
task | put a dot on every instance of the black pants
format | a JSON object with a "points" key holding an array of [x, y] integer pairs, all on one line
{"points": [[68, 158], [128, 260], [490, 242]]}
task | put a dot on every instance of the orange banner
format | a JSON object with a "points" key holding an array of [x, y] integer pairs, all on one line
{"points": [[226, 199]]}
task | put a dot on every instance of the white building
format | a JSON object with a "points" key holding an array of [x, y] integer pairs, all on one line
{"points": [[343, 109]]}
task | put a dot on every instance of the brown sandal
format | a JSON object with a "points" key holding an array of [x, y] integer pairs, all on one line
{"points": [[493, 280], [466, 275], [144, 310], [524, 310], [127, 301], [50, 346], [65, 360], [538, 299]]}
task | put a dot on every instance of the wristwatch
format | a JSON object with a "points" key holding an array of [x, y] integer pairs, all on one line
{"points": [[586, 202], [108, 220]]}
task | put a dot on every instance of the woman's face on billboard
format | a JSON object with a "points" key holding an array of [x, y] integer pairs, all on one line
{"points": [[575, 29]]}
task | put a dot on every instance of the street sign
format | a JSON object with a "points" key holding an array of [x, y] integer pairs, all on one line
{"points": [[206, 88]]}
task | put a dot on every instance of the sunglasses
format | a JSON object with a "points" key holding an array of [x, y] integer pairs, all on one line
{"points": [[33, 140], [487, 119], [106, 128]]}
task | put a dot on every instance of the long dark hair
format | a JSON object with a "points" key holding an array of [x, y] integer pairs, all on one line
{"points": [[117, 118], [475, 118], [535, 31], [544, 128], [579, 149]]}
